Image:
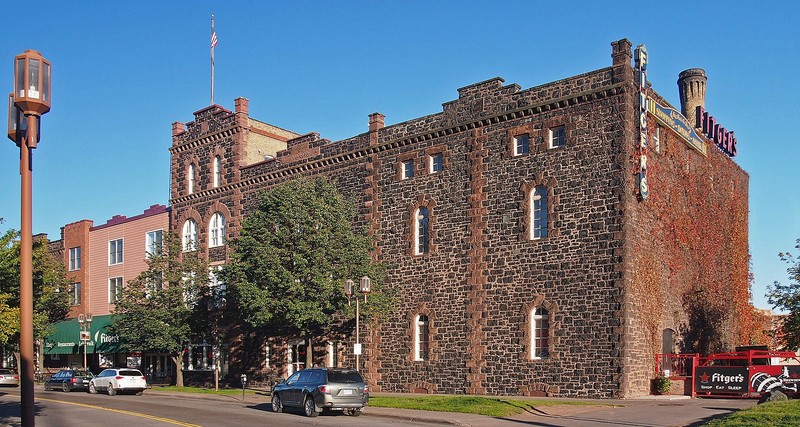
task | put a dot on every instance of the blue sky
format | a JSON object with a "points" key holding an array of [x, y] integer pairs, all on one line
{"points": [[124, 71]]}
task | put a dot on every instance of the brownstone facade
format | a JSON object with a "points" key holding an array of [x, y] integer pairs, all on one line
{"points": [[605, 258]]}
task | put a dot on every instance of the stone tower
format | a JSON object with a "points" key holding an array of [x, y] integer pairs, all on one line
{"points": [[692, 89]]}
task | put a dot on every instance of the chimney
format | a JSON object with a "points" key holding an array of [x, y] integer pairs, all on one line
{"points": [[241, 105], [376, 123], [692, 89], [178, 128], [621, 52]]}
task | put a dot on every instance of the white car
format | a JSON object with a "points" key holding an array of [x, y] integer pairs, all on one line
{"points": [[119, 380]]}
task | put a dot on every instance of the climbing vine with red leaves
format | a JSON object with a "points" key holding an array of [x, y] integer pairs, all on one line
{"points": [[690, 257]]}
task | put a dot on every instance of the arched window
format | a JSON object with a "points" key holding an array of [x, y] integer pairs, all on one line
{"points": [[189, 235], [191, 179], [216, 230], [217, 171], [538, 213], [421, 232], [540, 333], [421, 337]]}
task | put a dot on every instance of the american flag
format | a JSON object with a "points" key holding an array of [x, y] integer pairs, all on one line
{"points": [[213, 39]]}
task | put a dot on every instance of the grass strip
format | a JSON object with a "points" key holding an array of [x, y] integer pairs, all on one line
{"points": [[493, 407], [772, 414]]}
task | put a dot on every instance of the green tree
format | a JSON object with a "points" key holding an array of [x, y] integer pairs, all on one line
{"points": [[50, 285], [787, 298], [163, 308], [292, 257]]}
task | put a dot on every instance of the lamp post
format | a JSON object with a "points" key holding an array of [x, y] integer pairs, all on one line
{"points": [[216, 305], [349, 290], [31, 98], [85, 320]]}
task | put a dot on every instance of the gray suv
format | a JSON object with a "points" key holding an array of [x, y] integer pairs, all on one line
{"points": [[318, 389]]}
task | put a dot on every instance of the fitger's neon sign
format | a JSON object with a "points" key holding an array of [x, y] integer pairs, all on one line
{"points": [[723, 138]]}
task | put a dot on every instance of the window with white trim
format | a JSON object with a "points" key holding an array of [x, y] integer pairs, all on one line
{"points": [[421, 231], [421, 337], [408, 169], [75, 258], [558, 136], [217, 171], [216, 229], [115, 286], [154, 242], [540, 333], [75, 294], [155, 283], [115, 252], [435, 163], [191, 178], [189, 235], [538, 213], [522, 144]]}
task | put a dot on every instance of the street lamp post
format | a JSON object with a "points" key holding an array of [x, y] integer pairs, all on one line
{"points": [[349, 290], [31, 98], [216, 305], [85, 320]]}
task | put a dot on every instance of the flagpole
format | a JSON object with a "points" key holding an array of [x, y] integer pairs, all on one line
{"points": [[213, 43]]}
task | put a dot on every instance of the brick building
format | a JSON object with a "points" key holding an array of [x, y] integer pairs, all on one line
{"points": [[100, 260], [528, 256]]}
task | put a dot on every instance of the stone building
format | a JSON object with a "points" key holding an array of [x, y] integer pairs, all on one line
{"points": [[528, 256]]}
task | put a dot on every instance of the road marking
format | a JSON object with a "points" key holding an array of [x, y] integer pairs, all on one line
{"points": [[120, 411]]}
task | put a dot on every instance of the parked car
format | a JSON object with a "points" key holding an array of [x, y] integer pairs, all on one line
{"points": [[9, 377], [68, 380], [118, 380], [317, 389]]}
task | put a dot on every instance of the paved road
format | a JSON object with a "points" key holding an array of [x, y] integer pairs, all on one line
{"points": [[164, 409]]}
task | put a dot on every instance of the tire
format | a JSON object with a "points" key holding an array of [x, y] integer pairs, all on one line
{"points": [[309, 407], [65, 388], [46, 386], [110, 390], [92, 388], [139, 393], [354, 412], [277, 405]]}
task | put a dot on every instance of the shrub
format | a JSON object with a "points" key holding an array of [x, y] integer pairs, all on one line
{"points": [[662, 384]]}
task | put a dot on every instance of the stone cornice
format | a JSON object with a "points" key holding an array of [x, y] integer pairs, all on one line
{"points": [[310, 165]]}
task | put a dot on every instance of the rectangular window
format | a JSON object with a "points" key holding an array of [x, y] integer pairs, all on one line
{"points": [[408, 169], [436, 163], [75, 258], [156, 283], [657, 139], [540, 333], [115, 285], [216, 286], [154, 243], [521, 144], [75, 294], [558, 136], [115, 252]]}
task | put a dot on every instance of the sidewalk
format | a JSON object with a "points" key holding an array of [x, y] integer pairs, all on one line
{"points": [[650, 411]]}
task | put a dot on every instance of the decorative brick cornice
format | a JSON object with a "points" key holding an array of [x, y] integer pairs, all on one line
{"points": [[312, 165], [207, 139]]}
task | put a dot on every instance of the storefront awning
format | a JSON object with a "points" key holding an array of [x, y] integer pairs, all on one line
{"points": [[66, 338]]}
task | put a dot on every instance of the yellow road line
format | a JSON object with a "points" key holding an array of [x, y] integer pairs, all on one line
{"points": [[120, 411]]}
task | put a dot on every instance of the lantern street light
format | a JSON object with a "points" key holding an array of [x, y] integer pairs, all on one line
{"points": [[85, 320], [349, 290], [31, 98]]}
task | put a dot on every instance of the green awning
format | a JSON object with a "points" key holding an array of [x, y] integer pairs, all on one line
{"points": [[66, 338]]}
